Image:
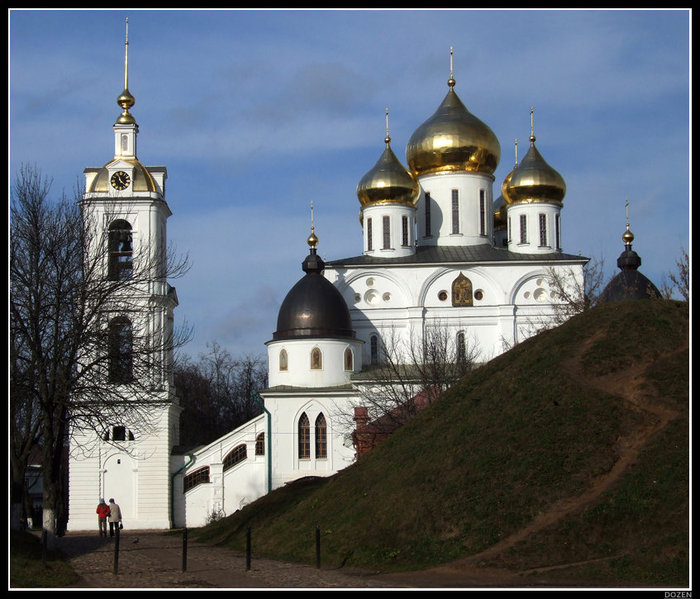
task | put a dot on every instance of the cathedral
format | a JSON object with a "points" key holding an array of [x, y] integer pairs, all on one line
{"points": [[438, 251]]}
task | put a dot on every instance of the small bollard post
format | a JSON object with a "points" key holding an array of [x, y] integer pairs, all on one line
{"points": [[247, 550], [318, 547], [184, 549], [115, 569]]}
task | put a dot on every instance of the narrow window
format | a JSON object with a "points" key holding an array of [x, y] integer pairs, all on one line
{"points": [[235, 456], [523, 228], [386, 225], [118, 433], [482, 212], [120, 350], [196, 478], [557, 231], [120, 241], [374, 353], [455, 211], [369, 234], [283, 359], [321, 441], [404, 231], [543, 230], [461, 348], [316, 359], [260, 444], [348, 359], [510, 231], [427, 215], [304, 437]]}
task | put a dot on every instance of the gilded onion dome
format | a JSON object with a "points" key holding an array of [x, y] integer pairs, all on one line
{"points": [[388, 181], [500, 221], [453, 139], [533, 180]]}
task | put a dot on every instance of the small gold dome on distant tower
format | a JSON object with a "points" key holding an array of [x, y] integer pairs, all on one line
{"points": [[453, 139], [533, 180], [388, 181]]}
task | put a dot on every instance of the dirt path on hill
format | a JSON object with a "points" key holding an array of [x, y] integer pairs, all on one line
{"points": [[626, 384]]}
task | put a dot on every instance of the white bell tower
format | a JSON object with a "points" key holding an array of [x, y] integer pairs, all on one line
{"points": [[130, 460]]}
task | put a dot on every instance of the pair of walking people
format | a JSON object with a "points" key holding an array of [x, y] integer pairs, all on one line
{"points": [[108, 513]]}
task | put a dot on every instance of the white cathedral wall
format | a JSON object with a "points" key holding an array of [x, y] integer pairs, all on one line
{"points": [[397, 303], [299, 372], [133, 472], [286, 410], [475, 222], [226, 491]]}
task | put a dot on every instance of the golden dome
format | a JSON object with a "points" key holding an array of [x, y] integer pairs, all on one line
{"points": [[453, 139], [533, 180], [388, 182], [142, 180]]}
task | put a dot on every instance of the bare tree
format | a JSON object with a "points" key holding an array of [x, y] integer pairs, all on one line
{"points": [[412, 374], [572, 294], [77, 365], [216, 393], [679, 284]]}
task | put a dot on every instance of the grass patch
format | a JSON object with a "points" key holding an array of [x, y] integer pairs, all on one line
{"points": [[27, 568], [503, 446]]}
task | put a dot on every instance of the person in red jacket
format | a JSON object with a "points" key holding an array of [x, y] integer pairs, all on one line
{"points": [[102, 515]]}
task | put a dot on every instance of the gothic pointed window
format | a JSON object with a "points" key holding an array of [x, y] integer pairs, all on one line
{"points": [[316, 359], [120, 359], [462, 291], [304, 437], [321, 437], [121, 251]]}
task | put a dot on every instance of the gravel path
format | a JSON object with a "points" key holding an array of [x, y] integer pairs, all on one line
{"points": [[149, 559]]}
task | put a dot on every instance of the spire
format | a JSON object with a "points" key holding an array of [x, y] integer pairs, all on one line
{"points": [[451, 81], [516, 152], [125, 99], [532, 124], [312, 240], [387, 139], [628, 236]]}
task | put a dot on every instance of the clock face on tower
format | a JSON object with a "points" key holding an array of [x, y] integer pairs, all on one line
{"points": [[120, 180]]}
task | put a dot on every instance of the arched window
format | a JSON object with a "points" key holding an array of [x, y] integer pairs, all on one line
{"points": [[348, 359], [260, 444], [120, 350], [461, 348], [316, 359], [304, 437], [321, 438], [196, 478], [235, 456], [374, 350], [283, 360], [121, 252]]}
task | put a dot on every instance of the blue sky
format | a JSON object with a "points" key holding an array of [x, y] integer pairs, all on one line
{"points": [[258, 113]]}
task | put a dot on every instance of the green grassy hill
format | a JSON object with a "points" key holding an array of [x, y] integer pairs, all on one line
{"points": [[569, 454]]}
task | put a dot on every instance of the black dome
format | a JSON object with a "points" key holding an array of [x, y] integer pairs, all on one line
{"points": [[313, 307], [629, 283]]}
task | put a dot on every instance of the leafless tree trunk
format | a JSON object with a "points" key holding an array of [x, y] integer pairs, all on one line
{"points": [[412, 375], [64, 354], [679, 281]]}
